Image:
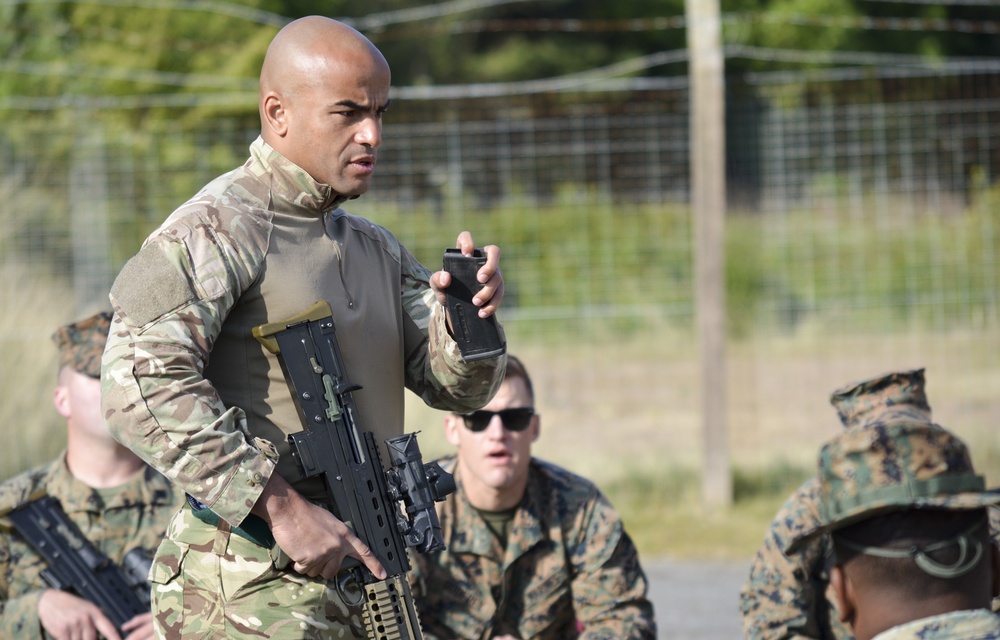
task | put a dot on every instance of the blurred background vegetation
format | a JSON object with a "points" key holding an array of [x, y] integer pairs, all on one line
{"points": [[862, 236]]}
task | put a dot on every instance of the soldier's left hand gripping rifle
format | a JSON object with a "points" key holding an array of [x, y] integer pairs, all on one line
{"points": [[75, 564], [363, 494]]}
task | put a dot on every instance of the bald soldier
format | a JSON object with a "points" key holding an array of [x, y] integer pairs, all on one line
{"points": [[186, 386]]}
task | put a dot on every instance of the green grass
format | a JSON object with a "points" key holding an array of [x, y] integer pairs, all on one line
{"points": [[663, 514], [843, 268]]}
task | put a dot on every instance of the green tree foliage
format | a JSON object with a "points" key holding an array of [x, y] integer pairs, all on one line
{"points": [[935, 31], [143, 50], [85, 54], [526, 40]]}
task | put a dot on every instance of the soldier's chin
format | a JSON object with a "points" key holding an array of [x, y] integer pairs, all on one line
{"points": [[353, 191]]}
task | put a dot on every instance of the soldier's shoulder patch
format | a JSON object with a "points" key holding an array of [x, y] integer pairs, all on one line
{"points": [[564, 480], [149, 286]]}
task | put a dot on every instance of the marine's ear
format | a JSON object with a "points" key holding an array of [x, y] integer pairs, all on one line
{"points": [[452, 424], [843, 590], [61, 399]]}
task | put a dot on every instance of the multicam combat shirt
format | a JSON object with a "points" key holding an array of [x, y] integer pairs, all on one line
{"points": [[568, 565], [116, 521], [190, 390]]}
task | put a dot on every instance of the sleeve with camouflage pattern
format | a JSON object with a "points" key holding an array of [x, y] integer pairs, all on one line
{"points": [[438, 374], [609, 586], [154, 395], [785, 596]]}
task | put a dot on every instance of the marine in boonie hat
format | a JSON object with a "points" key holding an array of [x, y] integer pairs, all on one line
{"points": [[880, 467], [81, 344]]}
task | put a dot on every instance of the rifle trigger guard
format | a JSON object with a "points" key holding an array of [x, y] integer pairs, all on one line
{"points": [[341, 581]]}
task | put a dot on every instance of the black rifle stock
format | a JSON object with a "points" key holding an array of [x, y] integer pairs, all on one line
{"points": [[362, 494], [74, 564]]}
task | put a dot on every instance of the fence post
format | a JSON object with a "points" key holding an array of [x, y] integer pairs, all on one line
{"points": [[708, 206], [88, 181]]}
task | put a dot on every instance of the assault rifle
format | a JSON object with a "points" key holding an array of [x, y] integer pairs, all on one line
{"points": [[74, 564], [363, 494]]}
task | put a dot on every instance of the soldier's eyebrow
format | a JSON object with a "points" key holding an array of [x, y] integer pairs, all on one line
{"points": [[350, 104]]}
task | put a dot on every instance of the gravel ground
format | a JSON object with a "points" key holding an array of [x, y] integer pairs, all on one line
{"points": [[696, 600]]}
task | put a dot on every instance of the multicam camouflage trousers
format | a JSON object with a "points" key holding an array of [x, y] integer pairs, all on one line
{"points": [[211, 583]]}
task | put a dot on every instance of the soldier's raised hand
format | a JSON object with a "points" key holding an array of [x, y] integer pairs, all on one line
{"points": [[488, 298]]}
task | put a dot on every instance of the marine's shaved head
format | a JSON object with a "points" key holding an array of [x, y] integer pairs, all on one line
{"points": [[323, 88]]}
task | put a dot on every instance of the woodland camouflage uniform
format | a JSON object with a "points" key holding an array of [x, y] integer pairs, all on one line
{"points": [[190, 390], [786, 596], [117, 520], [568, 562], [970, 624]]}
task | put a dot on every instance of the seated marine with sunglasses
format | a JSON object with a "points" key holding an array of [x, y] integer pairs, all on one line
{"points": [[533, 550]]}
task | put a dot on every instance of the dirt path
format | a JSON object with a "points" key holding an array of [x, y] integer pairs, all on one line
{"points": [[696, 600]]}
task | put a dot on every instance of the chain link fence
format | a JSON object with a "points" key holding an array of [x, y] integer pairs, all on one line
{"points": [[862, 236]]}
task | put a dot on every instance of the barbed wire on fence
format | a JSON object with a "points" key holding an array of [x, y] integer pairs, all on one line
{"points": [[663, 23], [949, 3], [861, 58], [615, 77], [378, 21], [150, 76]]}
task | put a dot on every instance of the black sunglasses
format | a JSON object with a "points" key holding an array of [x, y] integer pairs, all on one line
{"points": [[513, 419]]}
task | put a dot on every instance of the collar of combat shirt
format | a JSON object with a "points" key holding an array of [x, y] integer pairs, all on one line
{"points": [[471, 534], [286, 180], [147, 487]]}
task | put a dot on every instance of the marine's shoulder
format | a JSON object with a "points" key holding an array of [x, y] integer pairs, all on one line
{"points": [[980, 624], [557, 473], [800, 510], [23, 486], [569, 486]]}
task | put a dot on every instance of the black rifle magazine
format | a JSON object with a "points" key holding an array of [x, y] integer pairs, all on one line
{"points": [[477, 338]]}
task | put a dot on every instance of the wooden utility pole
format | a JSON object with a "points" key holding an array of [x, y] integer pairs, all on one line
{"points": [[708, 206]]}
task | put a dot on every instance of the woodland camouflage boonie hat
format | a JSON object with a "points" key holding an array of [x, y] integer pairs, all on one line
{"points": [[892, 396], [891, 466], [81, 344]]}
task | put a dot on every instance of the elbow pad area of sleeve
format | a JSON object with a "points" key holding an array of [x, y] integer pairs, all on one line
{"points": [[149, 286]]}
